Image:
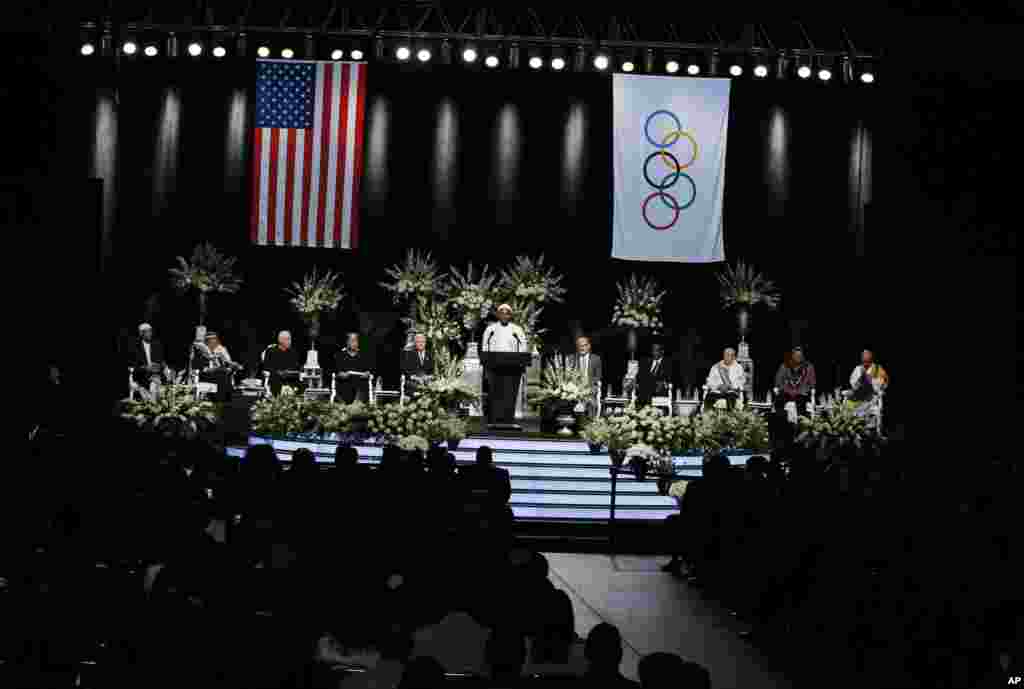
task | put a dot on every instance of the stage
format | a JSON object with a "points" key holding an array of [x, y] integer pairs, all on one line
{"points": [[553, 480]]}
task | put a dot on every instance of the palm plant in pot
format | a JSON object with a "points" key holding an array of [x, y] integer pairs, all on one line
{"points": [[208, 272], [742, 288]]}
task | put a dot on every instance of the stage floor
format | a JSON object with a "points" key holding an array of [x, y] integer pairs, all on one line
{"points": [[553, 479]]}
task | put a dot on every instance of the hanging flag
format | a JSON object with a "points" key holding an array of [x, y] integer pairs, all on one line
{"points": [[307, 153], [669, 168]]}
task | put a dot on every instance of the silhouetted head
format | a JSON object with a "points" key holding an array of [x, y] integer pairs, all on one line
{"points": [[260, 461], [661, 671], [557, 630], [603, 649], [346, 457], [484, 455], [303, 461], [422, 673], [506, 653]]}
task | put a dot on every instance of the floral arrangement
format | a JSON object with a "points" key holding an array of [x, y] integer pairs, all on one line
{"points": [[613, 432], [447, 387], [678, 489], [433, 320], [562, 383], [416, 278], [452, 428], [641, 451], [174, 413], [418, 417], [741, 286], [529, 280], [316, 293], [291, 414], [208, 272], [638, 304], [341, 418], [596, 432], [838, 426], [413, 442], [471, 296], [719, 430], [527, 315]]}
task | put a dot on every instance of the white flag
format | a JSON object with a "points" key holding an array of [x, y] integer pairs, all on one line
{"points": [[669, 163]]}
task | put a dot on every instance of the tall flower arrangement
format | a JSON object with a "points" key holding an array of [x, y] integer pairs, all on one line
{"points": [[208, 272], [315, 294], [741, 285], [470, 295], [415, 278], [432, 318], [638, 304], [529, 280], [175, 413], [718, 430], [563, 383], [527, 315], [447, 387]]}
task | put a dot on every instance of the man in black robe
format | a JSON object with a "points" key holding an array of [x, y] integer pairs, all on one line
{"points": [[353, 371], [653, 375], [282, 362]]}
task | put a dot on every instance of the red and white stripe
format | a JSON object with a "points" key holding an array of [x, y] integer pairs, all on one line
{"points": [[306, 182]]}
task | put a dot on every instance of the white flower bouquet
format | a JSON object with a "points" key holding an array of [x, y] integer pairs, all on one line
{"points": [[433, 320], [341, 418], [316, 293], [678, 489], [471, 296], [838, 427], [529, 280], [718, 430], [413, 442], [563, 383], [741, 286], [175, 413], [286, 414], [638, 304], [420, 416], [416, 278]]}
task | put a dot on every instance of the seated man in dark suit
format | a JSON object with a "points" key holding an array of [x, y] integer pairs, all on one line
{"points": [[282, 362], [653, 375], [147, 358], [417, 364], [353, 372]]}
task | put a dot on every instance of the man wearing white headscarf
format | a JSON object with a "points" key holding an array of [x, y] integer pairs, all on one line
{"points": [[503, 387]]}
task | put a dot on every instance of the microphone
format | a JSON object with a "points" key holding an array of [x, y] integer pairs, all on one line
{"points": [[489, 338], [516, 335]]}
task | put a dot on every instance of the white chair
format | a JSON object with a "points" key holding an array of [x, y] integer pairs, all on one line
{"points": [[202, 388], [741, 400], [663, 401], [874, 407], [334, 387], [378, 396], [132, 385], [610, 401], [790, 407]]}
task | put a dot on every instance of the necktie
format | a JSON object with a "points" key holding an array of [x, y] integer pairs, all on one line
{"points": [[421, 358], [654, 366]]}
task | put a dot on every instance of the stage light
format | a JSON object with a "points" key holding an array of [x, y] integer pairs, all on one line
{"points": [[693, 69], [287, 53], [469, 55], [194, 49], [491, 61], [803, 72], [867, 78], [760, 71], [628, 66], [88, 49], [403, 53], [337, 54], [356, 54], [824, 74], [263, 51], [601, 62], [423, 55], [735, 70], [220, 51], [558, 63], [150, 51], [130, 47], [536, 62], [671, 66]]}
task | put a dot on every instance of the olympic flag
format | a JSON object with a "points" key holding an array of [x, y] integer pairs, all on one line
{"points": [[668, 151], [307, 153]]}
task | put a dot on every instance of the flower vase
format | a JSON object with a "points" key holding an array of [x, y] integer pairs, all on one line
{"points": [[664, 483], [595, 448], [743, 321]]}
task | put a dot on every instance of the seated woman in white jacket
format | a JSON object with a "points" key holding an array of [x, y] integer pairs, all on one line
{"points": [[725, 381]]}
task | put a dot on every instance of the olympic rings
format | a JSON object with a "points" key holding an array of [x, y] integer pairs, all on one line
{"points": [[675, 170]]}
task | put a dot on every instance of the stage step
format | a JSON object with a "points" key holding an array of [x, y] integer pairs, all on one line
{"points": [[557, 481]]}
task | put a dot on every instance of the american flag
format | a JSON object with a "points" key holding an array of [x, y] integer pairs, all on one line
{"points": [[308, 153]]}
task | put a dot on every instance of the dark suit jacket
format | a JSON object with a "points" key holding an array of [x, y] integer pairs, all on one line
{"points": [[596, 372], [490, 485], [647, 383], [137, 356], [411, 364]]}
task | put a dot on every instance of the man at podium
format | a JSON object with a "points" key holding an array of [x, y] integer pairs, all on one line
{"points": [[504, 347]]}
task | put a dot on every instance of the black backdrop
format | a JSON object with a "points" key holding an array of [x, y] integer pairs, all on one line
{"points": [[181, 176]]}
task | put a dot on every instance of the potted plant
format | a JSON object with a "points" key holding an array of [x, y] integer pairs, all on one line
{"points": [[638, 306], [596, 435], [619, 438], [837, 432], [314, 295], [640, 456], [742, 289], [209, 272], [565, 386], [454, 430], [677, 490], [176, 413]]}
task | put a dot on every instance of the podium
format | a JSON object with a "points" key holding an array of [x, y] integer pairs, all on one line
{"points": [[504, 373]]}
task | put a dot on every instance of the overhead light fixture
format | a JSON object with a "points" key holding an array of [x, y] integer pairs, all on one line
{"points": [[357, 53], [672, 66], [492, 61], [403, 53], [803, 71], [628, 66], [735, 70], [469, 55], [263, 51], [423, 55], [760, 71], [601, 61], [558, 63], [195, 49], [220, 51], [88, 49], [337, 54], [693, 69], [130, 47], [150, 50], [536, 62], [867, 77], [287, 53]]}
